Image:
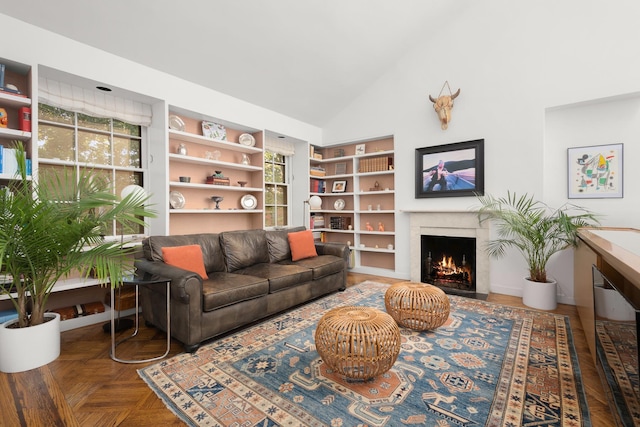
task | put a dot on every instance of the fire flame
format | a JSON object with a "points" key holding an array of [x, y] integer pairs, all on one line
{"points": [[448, 266]]}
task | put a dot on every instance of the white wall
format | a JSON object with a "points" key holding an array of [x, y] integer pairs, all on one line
{"points": [[34, 46], [49, 52], [610, 121], [513, 62]]}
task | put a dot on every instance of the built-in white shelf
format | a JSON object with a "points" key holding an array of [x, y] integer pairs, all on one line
{"points": [[199, 139]]}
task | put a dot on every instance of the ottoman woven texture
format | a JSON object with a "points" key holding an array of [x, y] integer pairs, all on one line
{"points": [[417, 306], [358, 342]]}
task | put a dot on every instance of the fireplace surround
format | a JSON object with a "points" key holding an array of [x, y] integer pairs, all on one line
{"points": [[450, 224]]}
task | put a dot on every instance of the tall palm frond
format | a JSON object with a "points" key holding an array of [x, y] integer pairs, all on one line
{"points": [[51, 229], [533, 228]]}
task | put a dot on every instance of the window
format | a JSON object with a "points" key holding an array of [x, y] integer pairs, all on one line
{"points": [[109, 146], [276, 190]]}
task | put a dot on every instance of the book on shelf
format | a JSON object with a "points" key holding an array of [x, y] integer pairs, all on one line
{"points": [[319, 236], [79, 310], [315, 153], [2, 68], [317, 186], [317, 221], [317, 171], [24, 118], [339, 222], [12, 92], [6, 315], [9, 161], [376, 164], [218, 181]]}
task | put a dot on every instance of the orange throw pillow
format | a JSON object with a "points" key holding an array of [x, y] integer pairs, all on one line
{"points": [[302, 245], [186, 257]]}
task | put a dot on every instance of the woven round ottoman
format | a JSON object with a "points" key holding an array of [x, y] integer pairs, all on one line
{"points": [[417, 306], [358, 342]]}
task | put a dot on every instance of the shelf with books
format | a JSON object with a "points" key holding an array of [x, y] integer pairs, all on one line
{"points": [[15, 102], [365, 170], [15, 116]]}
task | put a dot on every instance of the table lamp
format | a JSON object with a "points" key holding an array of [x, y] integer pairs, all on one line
{"points": [[314, 202]]}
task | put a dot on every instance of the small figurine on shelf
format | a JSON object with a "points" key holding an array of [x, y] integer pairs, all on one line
{"points": [[4, 119], [182, 149], [380, 226], [369, 227], [217, 199]]}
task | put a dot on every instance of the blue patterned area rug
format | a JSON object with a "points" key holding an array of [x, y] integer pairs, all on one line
{"points": [[488, 365]]}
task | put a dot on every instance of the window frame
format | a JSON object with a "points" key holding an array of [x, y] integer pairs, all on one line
{"points": [[286, 184], [111, 169]]}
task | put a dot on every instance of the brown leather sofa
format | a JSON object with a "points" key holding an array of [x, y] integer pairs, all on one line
{"points": [[251, 275]]}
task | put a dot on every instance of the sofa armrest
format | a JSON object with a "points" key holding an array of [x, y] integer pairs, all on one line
{"points": [[183, 282], [340, 250]]}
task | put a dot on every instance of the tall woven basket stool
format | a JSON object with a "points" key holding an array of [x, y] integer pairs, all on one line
{"points": [[418, 306], [358, 342]]}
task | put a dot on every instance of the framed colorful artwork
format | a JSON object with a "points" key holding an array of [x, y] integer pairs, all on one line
{"points": [[595, 172]]}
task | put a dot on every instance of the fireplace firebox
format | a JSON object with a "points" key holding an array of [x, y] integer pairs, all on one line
{"points": [[451, 224], [449, 263]]}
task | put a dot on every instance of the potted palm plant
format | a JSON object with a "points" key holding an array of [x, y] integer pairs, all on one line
{"points": [[537, 231], [49, 229]]}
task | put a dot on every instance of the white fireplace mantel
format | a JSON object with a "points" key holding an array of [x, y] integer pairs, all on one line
{"points": [[450, 224]]}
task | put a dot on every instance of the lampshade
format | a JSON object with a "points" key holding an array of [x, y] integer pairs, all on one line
{"points": [[133, 189], [315, 202]]}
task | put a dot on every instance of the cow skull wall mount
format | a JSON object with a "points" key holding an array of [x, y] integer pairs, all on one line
{"points": [[443, 105]]}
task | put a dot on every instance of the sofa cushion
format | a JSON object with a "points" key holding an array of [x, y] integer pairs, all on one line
{"points": [[278, 242], [223, 289], [302, 245], [280, 276], [244, 248], [209, 243], [321, 266], [187, 257]]}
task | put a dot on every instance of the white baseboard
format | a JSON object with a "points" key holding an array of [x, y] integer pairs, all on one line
{"points": [[507, 290]]}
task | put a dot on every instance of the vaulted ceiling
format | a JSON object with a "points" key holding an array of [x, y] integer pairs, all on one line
{"points": [[306, 59]]}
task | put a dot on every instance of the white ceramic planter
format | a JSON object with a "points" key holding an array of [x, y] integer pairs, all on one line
{"points": [[22, 349], [542, 296]]}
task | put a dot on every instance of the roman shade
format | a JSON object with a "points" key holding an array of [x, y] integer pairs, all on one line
{"points": [[93, 102]]}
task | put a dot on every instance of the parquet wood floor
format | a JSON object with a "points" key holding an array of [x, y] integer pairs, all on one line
{"points": [[84, 387]]}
